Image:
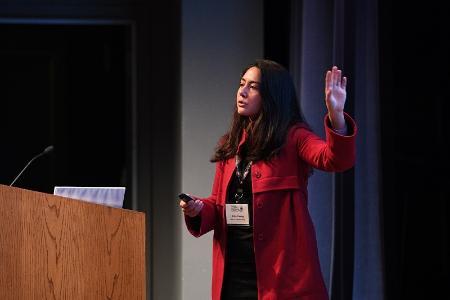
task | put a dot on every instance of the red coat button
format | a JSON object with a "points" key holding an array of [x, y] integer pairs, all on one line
{"points": [[259, 204], [260, 236], [258, 174]]}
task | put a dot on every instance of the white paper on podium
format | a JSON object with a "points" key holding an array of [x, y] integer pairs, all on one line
{"points": [[110, 196]]}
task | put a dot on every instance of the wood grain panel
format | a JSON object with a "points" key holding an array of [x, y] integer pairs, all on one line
{"points": [[58, 248]]}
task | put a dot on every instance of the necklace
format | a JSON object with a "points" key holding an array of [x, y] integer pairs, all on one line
{"points": [[241, 177]]}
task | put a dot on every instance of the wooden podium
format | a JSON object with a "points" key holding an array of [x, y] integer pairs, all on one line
{"points": [[53, 247]]}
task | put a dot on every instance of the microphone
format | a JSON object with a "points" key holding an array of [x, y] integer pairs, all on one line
{"points": [[46, 150]]}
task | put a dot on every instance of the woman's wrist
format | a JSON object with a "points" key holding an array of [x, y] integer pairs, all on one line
{"points": [[342, 131], [337, 121]]}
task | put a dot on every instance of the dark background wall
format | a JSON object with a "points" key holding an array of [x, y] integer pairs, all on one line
{"points": [[414, 74], [100, 80], [66, 86], [215, 48]]}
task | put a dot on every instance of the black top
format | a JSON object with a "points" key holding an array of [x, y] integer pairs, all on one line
{"points": [[240, 270]]}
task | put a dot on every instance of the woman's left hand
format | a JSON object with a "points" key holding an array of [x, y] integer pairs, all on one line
{"points": [[335, 95]]}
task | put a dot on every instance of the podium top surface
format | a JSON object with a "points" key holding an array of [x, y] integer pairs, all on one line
{"points": [[4, 189]]}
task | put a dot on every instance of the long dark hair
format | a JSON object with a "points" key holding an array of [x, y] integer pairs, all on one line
{"points": [[279, 111]]}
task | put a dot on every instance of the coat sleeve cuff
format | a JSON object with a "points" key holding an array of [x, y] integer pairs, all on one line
{"points": [[204, 222], [343, 146], [349, 122]]}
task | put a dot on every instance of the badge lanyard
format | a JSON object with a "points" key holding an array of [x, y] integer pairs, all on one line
{"points": [[237, 213]]}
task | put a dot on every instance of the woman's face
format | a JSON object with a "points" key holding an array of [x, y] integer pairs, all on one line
{"points": [[248, 98]]}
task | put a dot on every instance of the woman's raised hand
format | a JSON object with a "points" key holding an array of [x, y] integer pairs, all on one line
{"points": [[335, 95]]}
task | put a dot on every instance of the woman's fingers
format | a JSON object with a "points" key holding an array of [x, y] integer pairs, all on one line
{"points": [[192, 208], [333, 78], [328, 82], [336, 77]]}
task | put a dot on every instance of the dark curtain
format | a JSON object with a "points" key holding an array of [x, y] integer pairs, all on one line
{"points": [[345, 206], [382, 231], [415, 64]]}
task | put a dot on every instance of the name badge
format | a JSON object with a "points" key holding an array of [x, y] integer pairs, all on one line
{"points": [[237, 214]]}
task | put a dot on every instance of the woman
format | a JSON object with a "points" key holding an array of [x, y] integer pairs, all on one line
{"points": [[264, 244]]}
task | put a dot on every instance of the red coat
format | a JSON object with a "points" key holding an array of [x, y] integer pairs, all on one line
{"points": [[287, 262]]}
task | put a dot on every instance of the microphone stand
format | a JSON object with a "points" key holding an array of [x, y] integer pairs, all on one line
{"points": [[47, 150]]}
